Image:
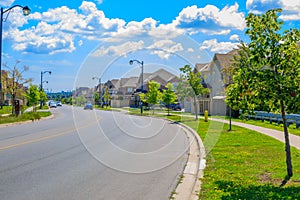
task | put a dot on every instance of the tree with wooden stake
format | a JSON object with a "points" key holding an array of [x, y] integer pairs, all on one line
{"points": [[194, 80], [266, 72], [169, 97]]}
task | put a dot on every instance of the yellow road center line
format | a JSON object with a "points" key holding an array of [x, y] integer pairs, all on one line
{"points": [[43, 138]]}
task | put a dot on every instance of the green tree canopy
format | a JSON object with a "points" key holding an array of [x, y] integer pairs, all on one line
{"points": [[33, 96], [106, 96], [194, 80], [169, 97], [96, 97], [154, 95], [266, 73]]}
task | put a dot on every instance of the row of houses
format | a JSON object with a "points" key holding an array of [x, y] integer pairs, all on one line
{"points": [[124, 91]]}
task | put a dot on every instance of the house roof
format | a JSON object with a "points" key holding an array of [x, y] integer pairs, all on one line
{"points": [[162, 74], [131, 82], [224, 60], [199, 67]]}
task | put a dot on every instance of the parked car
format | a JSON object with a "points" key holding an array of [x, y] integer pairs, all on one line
{"points": [[49, 102], [88, 106], [58, 103], [52, 104]]}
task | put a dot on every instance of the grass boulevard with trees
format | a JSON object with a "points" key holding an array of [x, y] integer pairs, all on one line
{"points": [[265, 75], [243, 164]]}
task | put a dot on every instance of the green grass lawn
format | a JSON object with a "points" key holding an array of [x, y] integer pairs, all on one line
{"points": [[244, 164], [292, 128], [24, 117], [5, 110]]}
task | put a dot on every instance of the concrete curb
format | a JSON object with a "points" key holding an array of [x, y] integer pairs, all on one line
{"points": [[190, 185]]}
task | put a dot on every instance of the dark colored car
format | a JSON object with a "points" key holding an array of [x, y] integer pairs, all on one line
{"points": [[88, 106], [176, 106]]}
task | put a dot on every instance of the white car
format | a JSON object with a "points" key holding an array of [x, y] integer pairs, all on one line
{"points": [[52, 104]]}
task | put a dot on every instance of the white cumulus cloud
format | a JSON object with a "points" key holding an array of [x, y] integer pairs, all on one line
{"points": [[6, 2], [119, 50], [210, 19], [62, 29], [164, 48], [290, 8], [218, 47], [234, 37]]}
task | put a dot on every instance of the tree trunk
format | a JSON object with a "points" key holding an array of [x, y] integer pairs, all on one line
{"points": [[287, 143], [196, 107]]}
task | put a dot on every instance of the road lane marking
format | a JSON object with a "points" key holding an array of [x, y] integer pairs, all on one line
{"points": [[44, 138]]}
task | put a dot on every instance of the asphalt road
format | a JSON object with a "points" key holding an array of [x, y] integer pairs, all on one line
{"points": [[83, 154]]}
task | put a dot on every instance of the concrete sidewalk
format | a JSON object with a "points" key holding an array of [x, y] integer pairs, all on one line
{"points": [[278, 135]]}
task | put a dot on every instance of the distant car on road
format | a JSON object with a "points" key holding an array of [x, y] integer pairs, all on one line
{"points": [[88, 106], [58, 103], [52, 104]]}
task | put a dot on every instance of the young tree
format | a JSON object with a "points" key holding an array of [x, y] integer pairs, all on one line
{"points": [[80, 100], [96, 97], [154, 94], [33, 96], [194, 80], [267, 72], [183, 89], [15, 82], [43, 97], [106, 97], [169, 97]]}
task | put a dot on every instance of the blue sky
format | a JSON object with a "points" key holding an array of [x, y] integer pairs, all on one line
{"points": [[79, 40]]}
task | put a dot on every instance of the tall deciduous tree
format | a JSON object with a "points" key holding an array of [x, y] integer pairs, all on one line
{"points": [[266, 73], [169, 97], [194, 80]]}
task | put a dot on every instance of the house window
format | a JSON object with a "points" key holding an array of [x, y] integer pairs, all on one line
{"points": [[129, 90]]}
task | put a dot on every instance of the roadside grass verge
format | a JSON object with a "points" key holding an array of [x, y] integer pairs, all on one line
{"points": [[108, 108], [23, 117], [5, 110], [245, 164], [266, 124]]}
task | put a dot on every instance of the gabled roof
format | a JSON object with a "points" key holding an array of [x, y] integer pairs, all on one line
{"points": [[162, 74], [223, 60], [202, 67], [131, 82]]}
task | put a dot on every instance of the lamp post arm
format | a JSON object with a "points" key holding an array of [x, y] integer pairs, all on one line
{"points": [[4, 11]]}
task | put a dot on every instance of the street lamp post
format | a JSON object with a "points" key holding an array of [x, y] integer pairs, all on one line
{"points": [[41, 89], [100, 91], [26, 11], [142, 79]]}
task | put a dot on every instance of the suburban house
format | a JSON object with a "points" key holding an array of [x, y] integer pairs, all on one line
{"points": [[216, 80], [125, 91]]}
